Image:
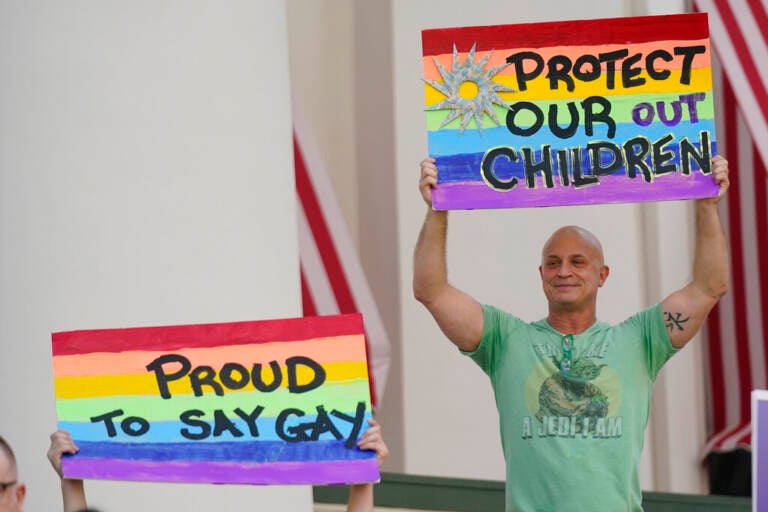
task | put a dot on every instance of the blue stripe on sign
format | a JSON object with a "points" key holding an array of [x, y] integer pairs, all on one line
{"points": [[450, 142], [170, 431]]}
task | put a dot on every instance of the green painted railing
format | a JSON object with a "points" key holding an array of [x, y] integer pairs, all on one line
{"points": [[455, 494]]}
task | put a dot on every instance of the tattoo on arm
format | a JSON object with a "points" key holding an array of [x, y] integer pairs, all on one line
{"points": [[675, 321]]}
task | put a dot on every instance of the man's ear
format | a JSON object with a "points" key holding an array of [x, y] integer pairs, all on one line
{"points": [[604, 274], [21, 493]]}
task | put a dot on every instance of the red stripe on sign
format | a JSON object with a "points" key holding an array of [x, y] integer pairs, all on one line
{"points": [[717, 380], [738, 288], [307, 302], [761, 18], [742, 50], [760, 175], [637, 29], [205, 335], [321, 234]]}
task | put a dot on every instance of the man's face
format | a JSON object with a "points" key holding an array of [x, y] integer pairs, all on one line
{"points": [[572, 270], [11, 496]]}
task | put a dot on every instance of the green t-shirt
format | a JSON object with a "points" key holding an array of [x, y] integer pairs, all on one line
{"points": [[572, 431]]}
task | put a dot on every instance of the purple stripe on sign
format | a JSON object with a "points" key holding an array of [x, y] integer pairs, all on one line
{"points": [[612, 189], [307, 473]]}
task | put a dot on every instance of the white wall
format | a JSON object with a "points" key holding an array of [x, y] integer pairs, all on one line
{"points": [[321, 36], [146, 178]]}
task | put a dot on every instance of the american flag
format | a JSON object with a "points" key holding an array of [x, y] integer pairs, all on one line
{"points": [[332, 277], [735, 334]]}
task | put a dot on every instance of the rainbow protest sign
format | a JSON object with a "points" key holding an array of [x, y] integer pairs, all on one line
{"points": [[267, 402], [576, 112]]}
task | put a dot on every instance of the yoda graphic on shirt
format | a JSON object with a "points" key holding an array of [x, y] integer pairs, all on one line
{"points": [[572, 393]]}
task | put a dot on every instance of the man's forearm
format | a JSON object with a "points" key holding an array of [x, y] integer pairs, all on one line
{"points": [[429, 262], [710, 265], [73, 495], [360, 498]]}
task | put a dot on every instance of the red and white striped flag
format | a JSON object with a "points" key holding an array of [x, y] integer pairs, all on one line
{"points": [[735, 335], [332, 277]]}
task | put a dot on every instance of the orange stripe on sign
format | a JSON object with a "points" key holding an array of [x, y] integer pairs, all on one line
{"points": [[323, 350], [499, 56]]}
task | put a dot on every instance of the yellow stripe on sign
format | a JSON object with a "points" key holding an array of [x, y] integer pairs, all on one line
{"points": [[146, 384], [538, 89]]}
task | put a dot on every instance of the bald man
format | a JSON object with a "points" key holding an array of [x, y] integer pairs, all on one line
{"points": [[12, 492], [573, 393]]}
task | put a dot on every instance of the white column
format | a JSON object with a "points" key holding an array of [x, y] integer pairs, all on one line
{"points": [[146, 178]]}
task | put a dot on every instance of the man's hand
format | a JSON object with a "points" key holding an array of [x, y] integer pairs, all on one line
{"points": [[372, 440], [428, 179], [61, 443], [361, 495], [720, 175]]}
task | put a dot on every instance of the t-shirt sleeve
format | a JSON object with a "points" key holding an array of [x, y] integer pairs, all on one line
{"points": [[658, 345], [487, 353]]}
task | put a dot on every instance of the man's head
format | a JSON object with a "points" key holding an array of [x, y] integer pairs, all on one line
{"points": [[12, 492], [572, 269]]}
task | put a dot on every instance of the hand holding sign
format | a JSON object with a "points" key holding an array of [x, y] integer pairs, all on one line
{"points": [[428, 180], [720, 175]]}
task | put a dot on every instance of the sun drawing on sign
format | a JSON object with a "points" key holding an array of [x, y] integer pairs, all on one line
{"points": [[469, 90]]}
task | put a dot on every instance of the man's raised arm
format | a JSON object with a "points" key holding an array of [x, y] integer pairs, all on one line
{"points": [[685, 310], [72, 490], [459, 316]]}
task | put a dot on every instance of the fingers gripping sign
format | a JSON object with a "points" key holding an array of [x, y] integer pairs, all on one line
{"points": [[373, 440], [61, 443], [720, 173], [428, 180], [72, 489], [721, 176]]}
